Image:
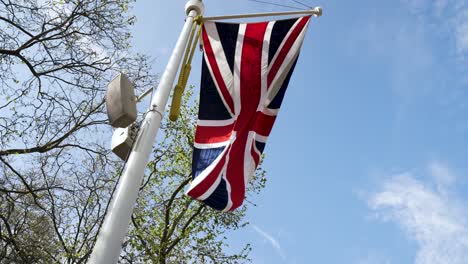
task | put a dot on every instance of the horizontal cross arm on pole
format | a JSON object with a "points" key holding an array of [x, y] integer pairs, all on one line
{"points": [[315, 12]]}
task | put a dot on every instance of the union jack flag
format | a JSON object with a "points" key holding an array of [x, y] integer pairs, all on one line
{"points": [[245, 72]]}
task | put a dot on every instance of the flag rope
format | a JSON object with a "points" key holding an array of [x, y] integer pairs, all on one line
{"points": [[185, 70]]}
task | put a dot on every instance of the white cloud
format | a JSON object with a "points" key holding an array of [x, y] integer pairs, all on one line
{"points": [[433, 217], [442, 174], [273, 242]]}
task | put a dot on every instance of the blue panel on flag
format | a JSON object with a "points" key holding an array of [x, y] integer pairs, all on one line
{"points": [[219, 198], [202, 158], [260, 146], [228, 33], [279, 32], [278, 100], [211, 105]]}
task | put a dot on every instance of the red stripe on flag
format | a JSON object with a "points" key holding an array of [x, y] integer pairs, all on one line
{"points": [[250, 92], [210, 134], [216, 72], [235, 170], [285, 50], [264, 124]]}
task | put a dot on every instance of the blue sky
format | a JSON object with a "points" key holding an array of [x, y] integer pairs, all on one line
{"points": [[367, 162]]}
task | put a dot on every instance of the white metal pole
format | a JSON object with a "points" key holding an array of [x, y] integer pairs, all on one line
{"points": [[110, 238]]}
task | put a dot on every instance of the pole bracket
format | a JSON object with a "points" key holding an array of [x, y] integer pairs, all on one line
{"points": [[196, 5]]}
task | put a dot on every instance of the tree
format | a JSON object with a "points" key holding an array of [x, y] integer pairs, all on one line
{"points": [[56, 171], [168, 226]]}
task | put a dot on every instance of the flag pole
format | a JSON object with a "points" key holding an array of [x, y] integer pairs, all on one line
{"points": [[317, 11], [112, 233]]}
